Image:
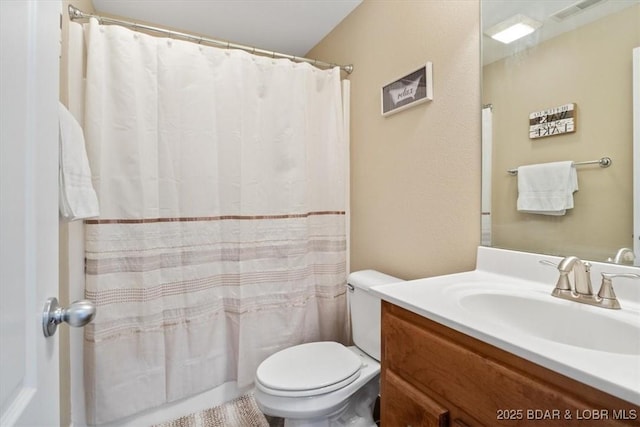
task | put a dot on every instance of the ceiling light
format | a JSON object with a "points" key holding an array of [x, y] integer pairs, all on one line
{"points": [[513, 29]]}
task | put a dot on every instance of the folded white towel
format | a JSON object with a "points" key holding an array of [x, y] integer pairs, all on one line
{"points": [[78, 199], [547, 188]]}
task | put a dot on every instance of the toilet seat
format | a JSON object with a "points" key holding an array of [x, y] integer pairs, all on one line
{"points": [[308, 370]]}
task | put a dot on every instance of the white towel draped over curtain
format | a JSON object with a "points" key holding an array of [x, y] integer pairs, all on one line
{"points": [[221, 237]]}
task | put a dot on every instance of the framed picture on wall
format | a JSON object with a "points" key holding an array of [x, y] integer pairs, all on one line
{"points": [[408, 91]]}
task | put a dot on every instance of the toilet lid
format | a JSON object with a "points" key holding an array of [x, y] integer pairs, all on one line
{"points": [[307, 367]]}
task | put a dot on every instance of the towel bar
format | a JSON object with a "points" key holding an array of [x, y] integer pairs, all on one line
{"points": [[604, 162]]}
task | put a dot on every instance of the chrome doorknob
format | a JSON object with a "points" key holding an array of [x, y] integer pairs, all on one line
{"points": [[78, 314]]}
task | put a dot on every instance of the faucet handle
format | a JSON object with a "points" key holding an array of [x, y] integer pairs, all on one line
{"points": [[563, 284], [606, 289]]}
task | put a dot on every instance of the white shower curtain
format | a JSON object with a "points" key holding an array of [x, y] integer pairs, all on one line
{"points": [[221, 180]]}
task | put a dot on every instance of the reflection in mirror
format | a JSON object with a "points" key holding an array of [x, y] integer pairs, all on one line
{"points": [[578, 58]]}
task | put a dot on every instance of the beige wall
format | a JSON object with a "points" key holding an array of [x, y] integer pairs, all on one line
{"points": [[590, 66], [415, 175]]}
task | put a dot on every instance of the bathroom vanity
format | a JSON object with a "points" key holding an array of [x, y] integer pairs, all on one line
{"points": [[448, 359], [435, 376]]}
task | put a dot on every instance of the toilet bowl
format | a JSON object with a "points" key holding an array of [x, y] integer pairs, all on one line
{"points": [[321, 404], [323, 384]]}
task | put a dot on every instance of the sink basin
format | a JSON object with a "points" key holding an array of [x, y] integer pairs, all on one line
{"points": [[506, 302], [563, 322]]}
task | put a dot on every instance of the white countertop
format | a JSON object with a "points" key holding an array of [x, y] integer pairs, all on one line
{"points": [[520, 275]]}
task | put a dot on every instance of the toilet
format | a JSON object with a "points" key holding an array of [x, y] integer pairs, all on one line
{"points": [[323, 384]]}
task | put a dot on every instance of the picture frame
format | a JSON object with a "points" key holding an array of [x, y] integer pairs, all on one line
{"points": [[408, 91]]}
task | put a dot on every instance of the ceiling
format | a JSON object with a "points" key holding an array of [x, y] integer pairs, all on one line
{"points": [[295, 26], [285, 26], [495, 11]]}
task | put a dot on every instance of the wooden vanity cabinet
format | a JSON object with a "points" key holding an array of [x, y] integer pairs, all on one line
{"points": [[435, 376]]}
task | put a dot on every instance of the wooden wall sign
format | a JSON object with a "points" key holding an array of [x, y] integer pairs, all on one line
{"points": [[553, 121]]}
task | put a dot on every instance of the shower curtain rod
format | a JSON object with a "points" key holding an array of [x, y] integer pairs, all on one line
{"points": [[76, 14]]}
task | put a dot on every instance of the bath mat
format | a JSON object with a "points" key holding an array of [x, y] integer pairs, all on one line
{"points": [[240, 412]]}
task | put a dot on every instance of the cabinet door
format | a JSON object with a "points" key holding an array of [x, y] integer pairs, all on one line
{"points": [[405, 406], [481, 384]]}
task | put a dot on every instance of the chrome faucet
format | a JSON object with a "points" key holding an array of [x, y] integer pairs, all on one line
{"points": [[623, 255], [581, 290], [581, 274]]}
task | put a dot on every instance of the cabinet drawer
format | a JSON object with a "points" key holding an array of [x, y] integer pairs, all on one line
{"points": [[493, 386], [404, 406]]}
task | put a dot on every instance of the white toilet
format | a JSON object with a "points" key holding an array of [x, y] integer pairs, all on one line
{"points": [[323, 384]]}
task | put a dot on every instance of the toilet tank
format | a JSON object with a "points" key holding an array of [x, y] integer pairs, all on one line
{"points": [[365, 309]]}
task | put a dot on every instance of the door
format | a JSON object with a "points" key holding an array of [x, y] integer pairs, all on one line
{"points": [[29, 69], [487, 150], [636, 154]]}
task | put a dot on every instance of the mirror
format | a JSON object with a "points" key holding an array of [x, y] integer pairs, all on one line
{"points": [[580, 55]]}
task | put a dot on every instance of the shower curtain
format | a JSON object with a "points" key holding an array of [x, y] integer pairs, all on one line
{"points": [[221, 239]]}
